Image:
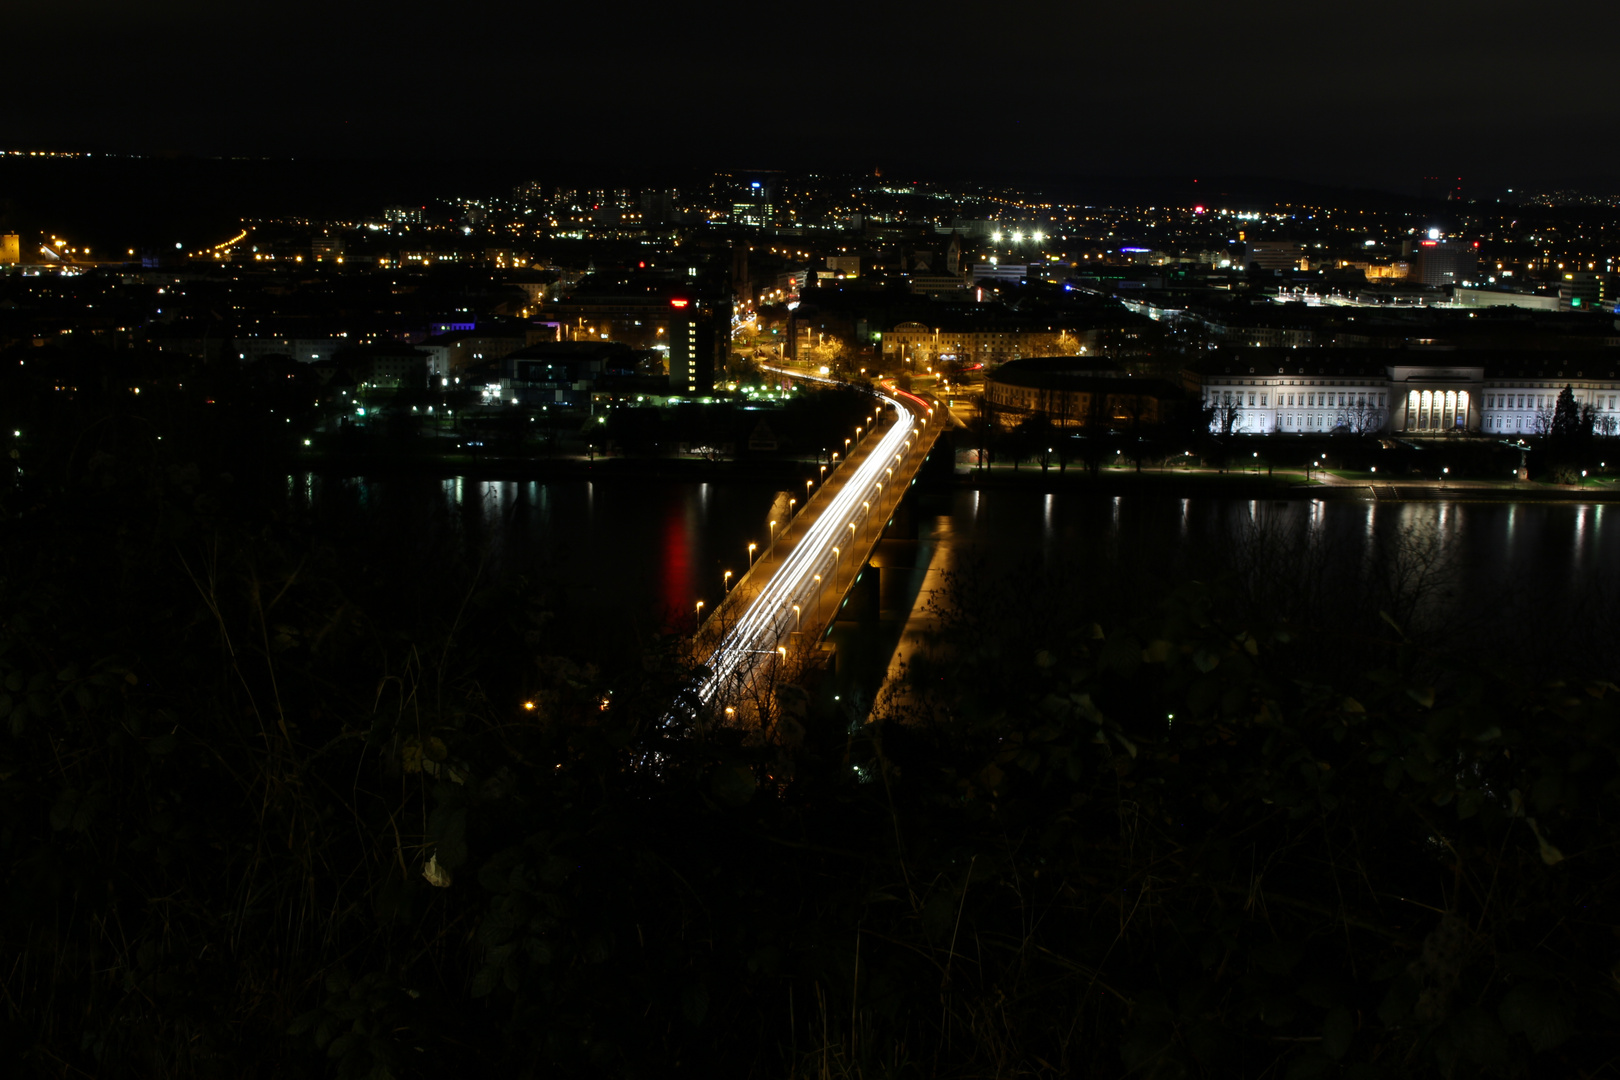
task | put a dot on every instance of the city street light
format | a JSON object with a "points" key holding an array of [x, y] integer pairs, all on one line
{"points": [[725, 582], [751, 547], [798, 619], [818, 597], [700, 613]]}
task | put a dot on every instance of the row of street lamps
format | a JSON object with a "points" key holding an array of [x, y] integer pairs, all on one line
{"points": [[753, 546], [779, 596]]}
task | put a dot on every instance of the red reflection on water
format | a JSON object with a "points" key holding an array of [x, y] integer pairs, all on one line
{"points": [[675, 564]]}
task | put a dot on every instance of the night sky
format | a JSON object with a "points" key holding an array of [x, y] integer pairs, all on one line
{"points": [[1373, 92]]}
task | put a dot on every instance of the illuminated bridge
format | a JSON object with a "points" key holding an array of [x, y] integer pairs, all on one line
{"points": [[773, 620]]}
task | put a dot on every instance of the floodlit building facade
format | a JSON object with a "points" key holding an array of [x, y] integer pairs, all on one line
{"points": [[1420, 394]]}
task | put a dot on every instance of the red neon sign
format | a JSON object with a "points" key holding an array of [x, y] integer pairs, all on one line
{"points": [[679, 303]]}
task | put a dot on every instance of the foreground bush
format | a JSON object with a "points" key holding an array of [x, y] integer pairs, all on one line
{"points": [[266, 812]]}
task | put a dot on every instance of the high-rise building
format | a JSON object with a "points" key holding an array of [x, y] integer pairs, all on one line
{"points": [[1444, 262], [10, 249], [754, 204], [1273, 254], [699, 330], [658, 206]]}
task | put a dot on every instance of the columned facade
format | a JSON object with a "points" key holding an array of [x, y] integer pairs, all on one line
{"points": [[1435, 400], [1326, 390]]}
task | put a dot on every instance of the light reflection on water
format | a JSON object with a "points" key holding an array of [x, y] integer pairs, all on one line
{"points": [[644, 553], [1523, 563], [635, 554]]}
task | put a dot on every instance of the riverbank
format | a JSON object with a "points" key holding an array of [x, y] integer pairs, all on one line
{"points": [[560, 467], [1281, 484], [790, 472]]}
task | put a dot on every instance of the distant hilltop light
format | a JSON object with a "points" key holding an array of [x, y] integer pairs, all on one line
{"points": [[1434, 234]]}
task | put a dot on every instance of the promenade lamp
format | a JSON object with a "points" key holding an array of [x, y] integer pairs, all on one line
{"points": [[773, 541], [798, 619], [867, 508], [751, 547], [838, 564], [818, 595], [857, 431], [807, 485], [725, 582], [700, 613], [823, 473], [791, 504], [781, 653], [847, 442]]}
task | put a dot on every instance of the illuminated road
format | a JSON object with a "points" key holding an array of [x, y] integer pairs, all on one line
{"points": [[765, 628]]}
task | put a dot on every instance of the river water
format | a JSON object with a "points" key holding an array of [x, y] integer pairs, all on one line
{"points": [[1540, 579], [627, 558]]}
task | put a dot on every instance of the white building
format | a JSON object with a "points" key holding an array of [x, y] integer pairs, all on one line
{"points": [[1410, 392], [1315, 392]]}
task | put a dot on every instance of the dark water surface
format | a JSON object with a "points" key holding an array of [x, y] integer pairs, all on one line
{"points": [[634, 557], [1531, 583], [623, 558]]}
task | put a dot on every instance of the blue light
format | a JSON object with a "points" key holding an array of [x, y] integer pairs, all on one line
{"points": [[755, 183]]}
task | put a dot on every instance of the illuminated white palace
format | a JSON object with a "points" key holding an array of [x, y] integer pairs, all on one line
{"points": [[1410, 392]]}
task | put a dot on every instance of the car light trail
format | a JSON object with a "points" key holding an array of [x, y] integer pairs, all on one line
{"points": [[769, 617]]}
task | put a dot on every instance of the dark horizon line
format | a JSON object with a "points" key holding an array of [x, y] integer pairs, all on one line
{"points": [[902, 171]]}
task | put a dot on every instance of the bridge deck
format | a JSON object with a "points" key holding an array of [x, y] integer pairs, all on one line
{"points": [[778, 612]]}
